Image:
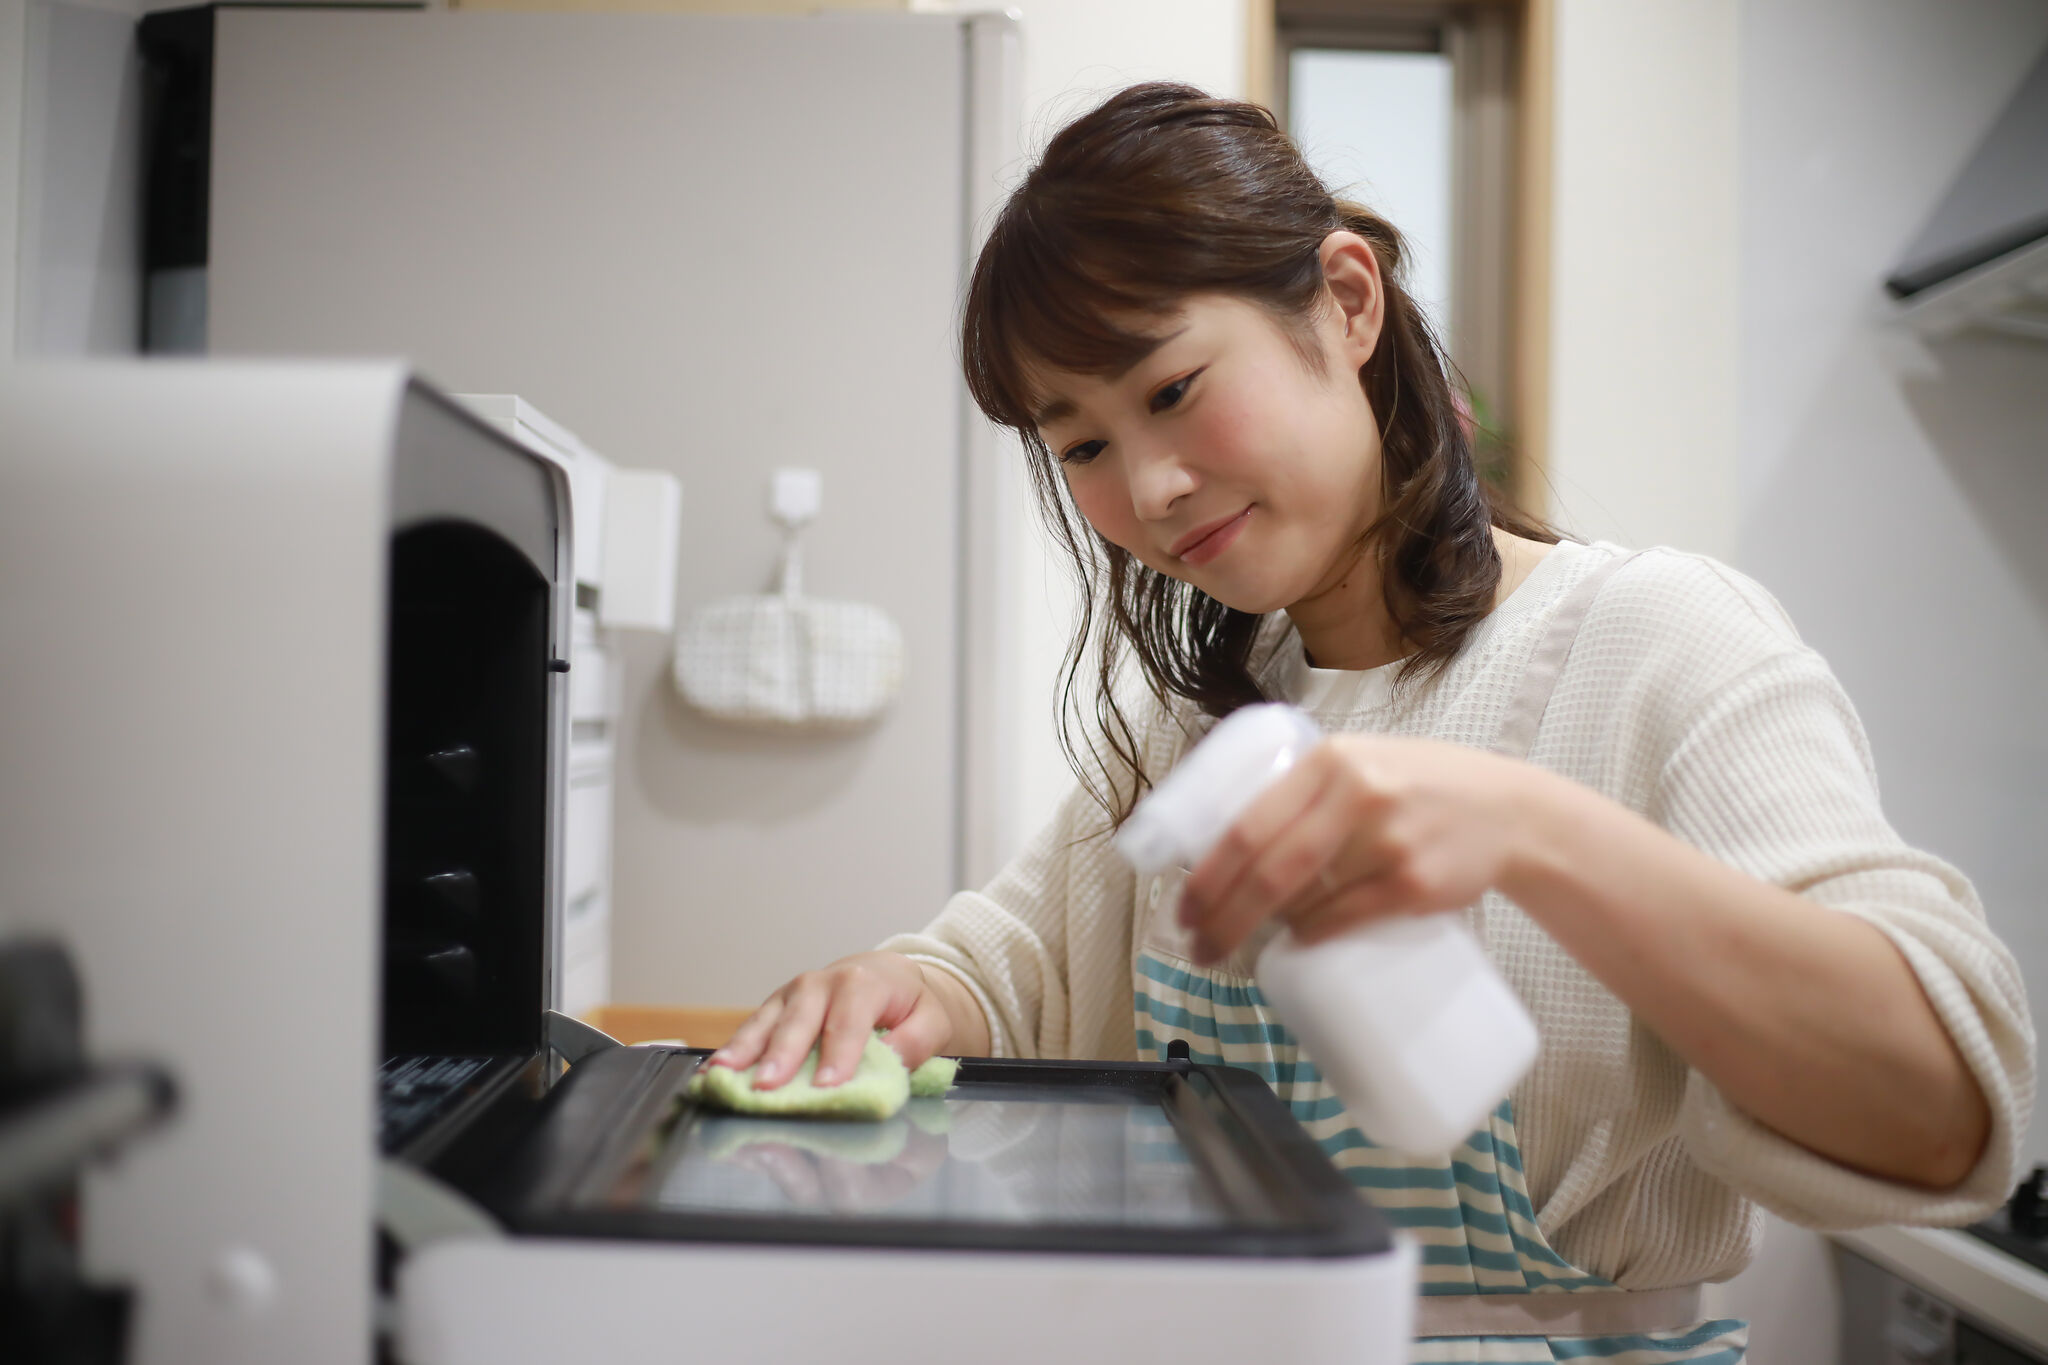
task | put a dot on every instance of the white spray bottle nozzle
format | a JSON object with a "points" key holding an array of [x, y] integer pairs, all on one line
{"points": [[1178, 822]]}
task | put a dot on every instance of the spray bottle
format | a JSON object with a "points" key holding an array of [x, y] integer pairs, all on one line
{"points": [[1405, 1017]]}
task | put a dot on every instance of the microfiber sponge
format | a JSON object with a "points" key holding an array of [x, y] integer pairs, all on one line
{"points": [[876, 1090]]}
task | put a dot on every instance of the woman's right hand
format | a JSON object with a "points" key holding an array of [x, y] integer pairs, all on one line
{"points": [[838, 1008]]}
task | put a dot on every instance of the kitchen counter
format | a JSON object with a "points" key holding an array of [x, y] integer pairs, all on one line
{"points": [[1985, 1283]]}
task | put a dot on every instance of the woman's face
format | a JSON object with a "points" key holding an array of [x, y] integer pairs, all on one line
{"points": [[1221, 459]]}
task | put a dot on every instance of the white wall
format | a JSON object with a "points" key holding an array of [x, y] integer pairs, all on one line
{"points": [[1643, 271], [1893, 494], [1075, 52]]}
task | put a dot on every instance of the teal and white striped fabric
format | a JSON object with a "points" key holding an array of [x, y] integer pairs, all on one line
{"points": [[1470, 1217]]}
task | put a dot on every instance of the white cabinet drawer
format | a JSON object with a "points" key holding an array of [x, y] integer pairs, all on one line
{"points": [[589, 838], [590, 684]]}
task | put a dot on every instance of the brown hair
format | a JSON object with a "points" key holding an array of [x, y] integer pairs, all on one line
{"points": [[1158, 193]]}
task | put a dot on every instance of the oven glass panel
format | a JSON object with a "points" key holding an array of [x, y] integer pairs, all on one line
{"points": [[1009, 1154]]}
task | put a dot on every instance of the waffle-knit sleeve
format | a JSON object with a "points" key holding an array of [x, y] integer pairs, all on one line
{"points": [[1043, 943], [1771, 773]]}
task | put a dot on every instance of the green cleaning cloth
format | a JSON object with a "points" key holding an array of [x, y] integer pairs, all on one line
{"points": [[877, 1089], [933, 1077]]}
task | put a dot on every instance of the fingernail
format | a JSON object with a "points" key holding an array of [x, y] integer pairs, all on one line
{"points": [[765, 1072], [825, 1075]]}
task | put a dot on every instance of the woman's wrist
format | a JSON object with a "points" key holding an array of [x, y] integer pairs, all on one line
{"points": [[968, 1031]]}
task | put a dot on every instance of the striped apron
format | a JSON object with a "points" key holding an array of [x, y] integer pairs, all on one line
{"points": [[1492, 1289]]}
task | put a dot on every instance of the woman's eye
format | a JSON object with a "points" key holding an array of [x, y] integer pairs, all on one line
{"points": [[1172, 393], [1082, 453]]}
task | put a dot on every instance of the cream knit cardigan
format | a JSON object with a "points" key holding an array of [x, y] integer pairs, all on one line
{"points": [[1690, 698]]}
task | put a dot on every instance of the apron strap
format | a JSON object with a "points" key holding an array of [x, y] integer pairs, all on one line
{"points": [[1525, 710], [1558, 1313]]}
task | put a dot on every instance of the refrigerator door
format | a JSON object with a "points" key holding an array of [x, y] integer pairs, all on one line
{"points": [[711, 246]]}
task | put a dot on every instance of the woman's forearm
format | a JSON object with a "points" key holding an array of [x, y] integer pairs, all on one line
{"points": [[1808, 1019]]}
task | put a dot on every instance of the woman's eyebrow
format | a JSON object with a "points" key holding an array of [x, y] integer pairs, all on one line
{"points": [[1056, 408]]}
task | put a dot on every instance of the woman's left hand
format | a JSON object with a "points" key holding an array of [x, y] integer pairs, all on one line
{"points": [[1363, 827]]}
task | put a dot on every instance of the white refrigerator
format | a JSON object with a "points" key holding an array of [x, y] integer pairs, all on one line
{"points": [[711, 246]]}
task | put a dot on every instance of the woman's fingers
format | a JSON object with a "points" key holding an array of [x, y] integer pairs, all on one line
{"points": [[1238, 849], [837, 1010], [795, 1031], [744, 1048], [1220, 903], [858, 999], [1284, 853], [1350, 906]]}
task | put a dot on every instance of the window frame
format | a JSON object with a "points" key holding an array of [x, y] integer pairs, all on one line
{"points": [[1495, 325]]}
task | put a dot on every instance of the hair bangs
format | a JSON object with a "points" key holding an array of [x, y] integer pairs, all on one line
{"points": [[1038, 304]]}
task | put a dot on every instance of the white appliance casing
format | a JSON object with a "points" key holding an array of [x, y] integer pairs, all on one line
{"points": [[193, 591], [193, 584], [536, 1302]]}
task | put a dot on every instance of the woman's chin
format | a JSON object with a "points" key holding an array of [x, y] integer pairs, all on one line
{"points": [[1256, 601], [1254, 598]]}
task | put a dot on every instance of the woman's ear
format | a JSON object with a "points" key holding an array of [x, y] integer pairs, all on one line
{"points": [[1351, 274]]}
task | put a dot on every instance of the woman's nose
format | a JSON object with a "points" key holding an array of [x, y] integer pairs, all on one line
{"points": [[1158, 476]]}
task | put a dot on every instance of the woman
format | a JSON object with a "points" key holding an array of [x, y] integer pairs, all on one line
{"points": [[1655, 804]]}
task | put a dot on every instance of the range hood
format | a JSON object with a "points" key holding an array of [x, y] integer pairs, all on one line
{"points": [[1982, 258]]}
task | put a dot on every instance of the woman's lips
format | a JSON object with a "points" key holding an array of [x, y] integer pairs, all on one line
{"points": [[1213, 540]]}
